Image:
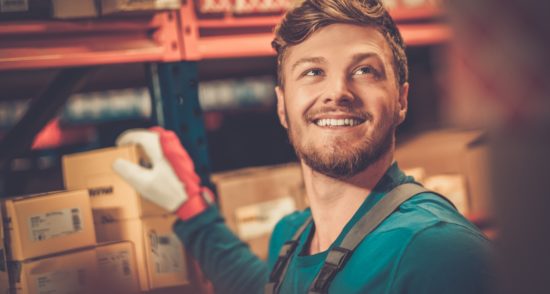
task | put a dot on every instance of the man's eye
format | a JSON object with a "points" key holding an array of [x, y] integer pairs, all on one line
{"points": [[366, 70], [313, 72]]}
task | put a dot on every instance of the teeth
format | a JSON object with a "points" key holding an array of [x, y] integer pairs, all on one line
{"points": [[331, 122]]}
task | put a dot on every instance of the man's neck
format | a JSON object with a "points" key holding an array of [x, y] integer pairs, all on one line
{"points": [[334, 201]]}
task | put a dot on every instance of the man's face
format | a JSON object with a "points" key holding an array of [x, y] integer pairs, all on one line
{"points": [[341, 102]]}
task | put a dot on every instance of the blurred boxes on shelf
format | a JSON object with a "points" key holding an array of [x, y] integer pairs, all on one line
{"points": [[44, 224], [70, 272], [453, 163], [66, 9], [88, 107], [24, 9], [119, 6], [160, 255], [112, 198], [260, 6], [253, 200], [230, 94], [14, 5], [111, 105], [243, 6], [117, 267], [213, 6]]}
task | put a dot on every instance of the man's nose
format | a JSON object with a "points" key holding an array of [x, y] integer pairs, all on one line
{"points": [[338, 91]]}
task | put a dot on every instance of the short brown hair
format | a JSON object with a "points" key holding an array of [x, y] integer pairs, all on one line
{"points": [[311, 15]]}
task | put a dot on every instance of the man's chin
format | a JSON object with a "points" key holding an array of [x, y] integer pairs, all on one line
{"points": [[335, 165]]}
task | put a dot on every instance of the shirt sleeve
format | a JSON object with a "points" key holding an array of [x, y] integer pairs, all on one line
{"points": [[224, 259], [445, 259]]}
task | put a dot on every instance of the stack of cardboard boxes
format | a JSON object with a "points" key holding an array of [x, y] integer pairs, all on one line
{"points": [[101, 232], [98, 236], [120, 213], [51, 247]]}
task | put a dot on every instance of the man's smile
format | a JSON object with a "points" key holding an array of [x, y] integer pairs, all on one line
{"points": [[338, 120]]}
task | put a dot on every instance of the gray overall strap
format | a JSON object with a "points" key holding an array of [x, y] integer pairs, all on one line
{"points": [[338, 255], [285, 254]]}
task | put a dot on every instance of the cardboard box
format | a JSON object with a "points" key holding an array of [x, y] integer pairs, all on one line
{"points": [[454, 163], [253, 200], [66, 9], [44, 224], [4, 281], [117, 267], [73, 272], [118, 6], [159, 253], [112, 198]]}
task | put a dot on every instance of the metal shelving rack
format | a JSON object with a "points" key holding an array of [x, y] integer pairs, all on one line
{"points": [[170, 43]]}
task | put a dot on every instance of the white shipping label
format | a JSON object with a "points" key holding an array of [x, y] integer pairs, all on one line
{"points": [[115, 265], [167, 252], [14, 5], [259, 219], [61, 282], [55, 224]]}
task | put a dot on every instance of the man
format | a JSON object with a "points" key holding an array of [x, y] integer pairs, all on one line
{"points": [[341, 94]]}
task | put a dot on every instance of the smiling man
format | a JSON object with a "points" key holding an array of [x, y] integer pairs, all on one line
{"points": [[342, 92]]}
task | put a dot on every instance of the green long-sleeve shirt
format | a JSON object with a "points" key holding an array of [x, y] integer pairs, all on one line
{"points": [[424, 247]]}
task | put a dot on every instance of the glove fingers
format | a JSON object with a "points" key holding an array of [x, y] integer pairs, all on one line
{"points": [[135, 175], [148, 140]]}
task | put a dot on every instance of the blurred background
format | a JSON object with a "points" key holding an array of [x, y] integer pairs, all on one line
{"points": [[74, 74]]}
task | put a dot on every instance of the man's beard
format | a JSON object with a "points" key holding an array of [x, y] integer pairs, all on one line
{"points": [[340, 160]]}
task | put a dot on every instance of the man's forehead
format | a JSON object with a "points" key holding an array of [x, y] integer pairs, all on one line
{"points": [[340, 40]]}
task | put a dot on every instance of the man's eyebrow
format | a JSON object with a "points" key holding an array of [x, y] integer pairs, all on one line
{"points": [[362, 56], [308, 60]]}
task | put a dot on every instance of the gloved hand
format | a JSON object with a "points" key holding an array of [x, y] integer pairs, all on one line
{"points": [[172, 182]]}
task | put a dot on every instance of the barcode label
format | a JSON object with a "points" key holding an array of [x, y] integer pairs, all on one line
{"points": [[126, 267], [55, 224], [14, 5], [167, 253], [76, 219]]}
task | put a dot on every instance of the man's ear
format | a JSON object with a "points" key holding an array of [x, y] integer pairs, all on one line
{"points": [[403, 101], [281, 110]]}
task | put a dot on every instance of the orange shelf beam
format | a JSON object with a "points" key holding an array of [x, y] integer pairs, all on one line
{"points": [[163, 36], [254, 45], [55, 44], [251, 45]]}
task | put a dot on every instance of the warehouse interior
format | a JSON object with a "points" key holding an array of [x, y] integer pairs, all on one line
{"points": [[75, 74]]}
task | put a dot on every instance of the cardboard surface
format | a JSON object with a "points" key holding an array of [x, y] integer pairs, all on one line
{"points": [[74, 272], [4, 281], [118, 6], [252, 200], [111, 197], [117, 267], [66, 9], [159, 253], [44, 224], [452, 163]]}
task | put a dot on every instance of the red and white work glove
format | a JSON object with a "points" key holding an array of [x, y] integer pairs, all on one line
{"points": [[172, 182]]}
